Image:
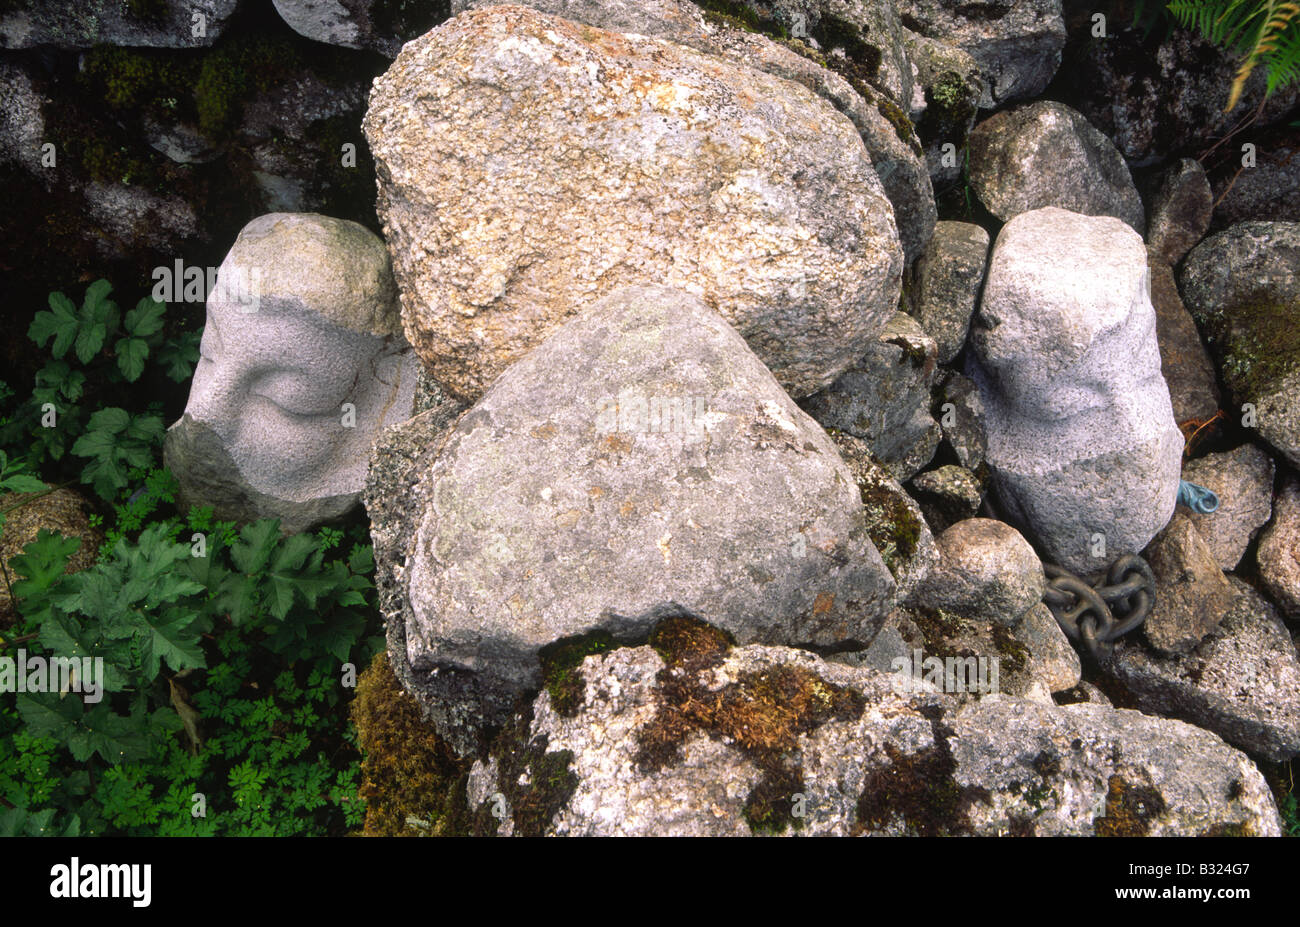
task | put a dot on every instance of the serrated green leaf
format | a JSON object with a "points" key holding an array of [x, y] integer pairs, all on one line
{"points": [[180, 355], [252, 552], [21, 482], [131, 354], [111, 420], [90, 340], [169, 636], [60, 322], [145, 319]]}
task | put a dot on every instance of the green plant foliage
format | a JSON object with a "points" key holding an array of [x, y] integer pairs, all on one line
{"points": [[1262, 32], [96, 351], [222, 707]]}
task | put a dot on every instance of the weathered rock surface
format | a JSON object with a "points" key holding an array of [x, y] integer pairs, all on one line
{"points": [[641, 458], [1279, 551], [1046, 154], [137, 218], [166, 24], [846, 80], [947, 495], [1192, 594], [22, 121], [1180, 211], [1082, 442], [884, 398], [632, 148], [780, 741], [1184, 361], [954, 653], [302, 362], [867, 37], [371, 24], [946, 283], [953, 86], [1166, 93], [1242, 682], [1243, 288], [961, 416], [986, 571], [1018, 45], [1268, 191], [1243, 481], [895, 523]]}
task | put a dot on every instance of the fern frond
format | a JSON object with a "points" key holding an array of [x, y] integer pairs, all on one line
{"points": [[1262, 32], [1279, 16]]}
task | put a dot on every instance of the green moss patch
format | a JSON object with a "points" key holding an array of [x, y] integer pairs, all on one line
{"points": [[894, 528], [411, 781], [1259, 342], [560, 669]]}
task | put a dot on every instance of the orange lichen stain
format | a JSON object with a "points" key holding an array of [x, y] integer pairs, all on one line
{"points": [[619, 444], [544, 432], [822, 604], [627, 509], [568, 519], [595, 492]]}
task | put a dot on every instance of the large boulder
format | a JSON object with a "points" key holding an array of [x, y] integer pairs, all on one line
{"points": [[1046, 154], [640, 162], [1243, 288], [1082, 444], [1180, 216], [1192, 595], [641, 458], [372, 24], [860, 37], [1017, 43], [1267, 190], [986, 571], [302, 363], [690, 737], [844, 72], [1167, 92], [953, 86]]}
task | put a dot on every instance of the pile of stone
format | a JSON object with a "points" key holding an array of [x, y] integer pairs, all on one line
{"points": [[722, 501]]}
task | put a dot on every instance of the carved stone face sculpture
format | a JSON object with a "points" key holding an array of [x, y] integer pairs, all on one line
{"points": [[1083, 446], [302, 362]]}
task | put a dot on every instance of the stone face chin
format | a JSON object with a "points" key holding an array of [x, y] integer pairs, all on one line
{"points": [[529, 165], [1083, 445], [640, 459]]}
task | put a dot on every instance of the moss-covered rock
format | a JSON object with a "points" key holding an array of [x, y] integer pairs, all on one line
{"points": [[411, 781], [1242, 287]]}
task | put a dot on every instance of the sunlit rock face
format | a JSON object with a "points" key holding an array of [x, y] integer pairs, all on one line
{"points": [[529, 166], [302, 362], [1082, 442]]}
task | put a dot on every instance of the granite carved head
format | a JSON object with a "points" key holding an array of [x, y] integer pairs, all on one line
{"points": [[302, 361]]}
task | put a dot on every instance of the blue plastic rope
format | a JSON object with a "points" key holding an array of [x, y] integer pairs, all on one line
{"points": [[1197, 498]]}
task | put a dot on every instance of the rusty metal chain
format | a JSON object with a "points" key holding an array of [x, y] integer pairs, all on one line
{"points": [[1088, 614]]}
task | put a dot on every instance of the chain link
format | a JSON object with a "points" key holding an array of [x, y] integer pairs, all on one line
{"points": [[1087, 614]]}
